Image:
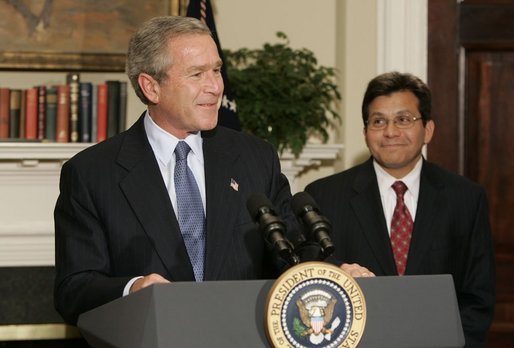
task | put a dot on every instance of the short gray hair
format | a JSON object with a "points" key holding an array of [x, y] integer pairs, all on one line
{"points": [[147, 51]]}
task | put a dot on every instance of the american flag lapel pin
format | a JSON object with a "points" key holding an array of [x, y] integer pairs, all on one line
{"points": [[234, 184]]}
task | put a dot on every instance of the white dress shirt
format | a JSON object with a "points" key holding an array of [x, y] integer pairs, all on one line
{"points": [[163, 145], [388, 196]]}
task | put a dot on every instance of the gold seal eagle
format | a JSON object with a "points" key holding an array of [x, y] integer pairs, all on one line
{"points": [[316, 309]]}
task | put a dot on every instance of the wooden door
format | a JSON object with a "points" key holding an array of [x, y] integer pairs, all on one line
{"points": [[471, 75]]}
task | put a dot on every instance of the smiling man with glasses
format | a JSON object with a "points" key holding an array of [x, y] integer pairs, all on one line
{"points": [[398, 214]]}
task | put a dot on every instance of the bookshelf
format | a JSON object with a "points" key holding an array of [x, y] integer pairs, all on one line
{"points": [[27, 79]]}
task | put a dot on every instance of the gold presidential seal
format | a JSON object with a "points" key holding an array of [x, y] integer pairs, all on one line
{"points": [[315, 304]]}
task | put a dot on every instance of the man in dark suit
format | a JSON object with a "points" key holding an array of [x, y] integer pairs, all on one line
{"points": [[445, 224], [117, 226]]}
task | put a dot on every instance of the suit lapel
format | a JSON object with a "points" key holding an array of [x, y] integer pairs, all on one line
{"points": [[222, 200], [147, 195], [367, 207], [430, 203]]}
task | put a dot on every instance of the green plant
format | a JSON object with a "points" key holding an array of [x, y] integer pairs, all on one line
{"points": [[282, 95]]}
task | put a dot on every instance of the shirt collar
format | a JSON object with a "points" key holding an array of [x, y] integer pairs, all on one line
{"points": [[411, 180], [163, 143]]}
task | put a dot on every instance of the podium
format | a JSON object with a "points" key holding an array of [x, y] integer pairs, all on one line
{"points": [[408, 311]]}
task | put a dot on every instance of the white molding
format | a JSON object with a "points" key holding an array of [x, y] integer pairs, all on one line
{"points": [[29, 178], [39, 151], [402, 36], [311, 157]]}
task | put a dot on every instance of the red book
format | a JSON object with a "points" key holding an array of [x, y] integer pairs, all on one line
{"points": [[63, 114], [101, 112], [31, 113], [4, 112], [23, 107]]}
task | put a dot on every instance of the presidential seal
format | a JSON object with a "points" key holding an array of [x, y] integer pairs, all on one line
{"points": [[315, 304]]}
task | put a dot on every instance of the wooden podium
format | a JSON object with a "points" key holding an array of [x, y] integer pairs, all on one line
{"points": [[408, 311]]}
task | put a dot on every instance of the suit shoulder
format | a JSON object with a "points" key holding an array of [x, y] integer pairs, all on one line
{"points": [[238, 140], [336, 181], [450, 179], [106, 150]]}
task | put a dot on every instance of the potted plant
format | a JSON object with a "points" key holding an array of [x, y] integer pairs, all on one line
{"points": [[282, 94]]}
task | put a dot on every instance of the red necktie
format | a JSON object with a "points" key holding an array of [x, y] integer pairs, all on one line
{"points": [[401, 228]]}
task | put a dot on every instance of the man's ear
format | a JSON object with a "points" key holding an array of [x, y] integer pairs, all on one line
{"points": [[150, 87]]}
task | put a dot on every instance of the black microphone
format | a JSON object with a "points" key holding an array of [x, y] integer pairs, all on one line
{"points": [[318, 227], [262, 212]]}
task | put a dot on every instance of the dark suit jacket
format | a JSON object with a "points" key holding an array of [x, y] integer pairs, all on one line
{"points": [[114, 219], [451, 234]]}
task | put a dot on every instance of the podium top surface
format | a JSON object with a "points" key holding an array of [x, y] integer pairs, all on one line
{"points": [[408, 311]]}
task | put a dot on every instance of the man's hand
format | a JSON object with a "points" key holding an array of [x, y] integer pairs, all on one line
{"points": [[148, 280], [356, 270]]}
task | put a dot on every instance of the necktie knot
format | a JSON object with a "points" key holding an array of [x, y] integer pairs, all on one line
{"points": [[399, 188], [181, 150]]}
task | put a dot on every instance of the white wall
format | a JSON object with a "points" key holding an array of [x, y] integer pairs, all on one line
{"points": [[341, 33]]}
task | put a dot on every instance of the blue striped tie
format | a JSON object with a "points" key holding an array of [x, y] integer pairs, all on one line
{"points": [[190, 210]]}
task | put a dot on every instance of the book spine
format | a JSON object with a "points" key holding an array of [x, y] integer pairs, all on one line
{"points": [[23, 113], [122, 122], [63, 114], [41, 113], [31, 113], [85, 111], [113, 107], [73, 81], [94, 113], [102, 112], [14, 113], [4, 112], [51, 113]]}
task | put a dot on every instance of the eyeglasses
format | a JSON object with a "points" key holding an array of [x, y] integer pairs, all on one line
{"points": [[400, 122]]}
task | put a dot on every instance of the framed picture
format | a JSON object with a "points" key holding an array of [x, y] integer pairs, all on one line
{"points": [[73, 35]]}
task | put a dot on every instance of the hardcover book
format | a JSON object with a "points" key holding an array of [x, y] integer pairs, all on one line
{"points": [[4, 112], [101, 112], [31, 113], [14, 113], [63, 114], [51, 113], [73, 80], [85, 112], [113, 107], [41, 113]]}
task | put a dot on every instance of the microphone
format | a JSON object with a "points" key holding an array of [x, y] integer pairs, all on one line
{"points": [[262, 212], [318, 227]]}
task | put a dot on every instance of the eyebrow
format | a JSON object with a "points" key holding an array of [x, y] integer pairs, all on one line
{"points": [[204, 67], [398, 113]]}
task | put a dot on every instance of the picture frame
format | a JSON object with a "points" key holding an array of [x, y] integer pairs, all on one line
{"points": [[73, 36]]}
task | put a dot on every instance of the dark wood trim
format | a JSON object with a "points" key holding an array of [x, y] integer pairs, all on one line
{"points": [[443, 58]]}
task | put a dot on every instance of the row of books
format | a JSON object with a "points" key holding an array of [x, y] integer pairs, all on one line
{"points": [[72, 112]]}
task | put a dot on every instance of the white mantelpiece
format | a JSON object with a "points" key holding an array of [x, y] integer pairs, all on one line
{"points": [[312, 156], [29, 179]]}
